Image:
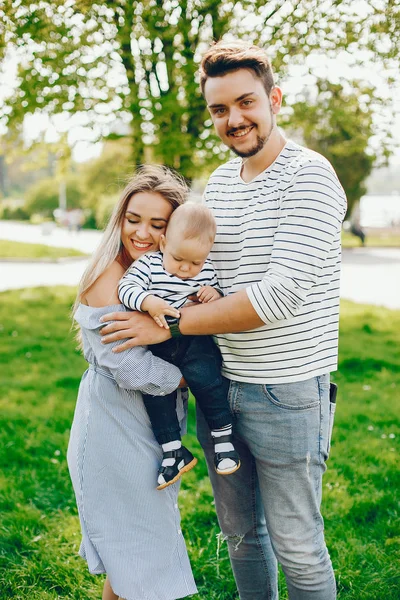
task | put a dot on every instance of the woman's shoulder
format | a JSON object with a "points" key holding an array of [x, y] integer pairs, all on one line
{"points": [[104, 291], [88, 317]]}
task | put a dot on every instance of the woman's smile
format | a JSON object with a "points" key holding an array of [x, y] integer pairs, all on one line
{"points": [[141, 245]]}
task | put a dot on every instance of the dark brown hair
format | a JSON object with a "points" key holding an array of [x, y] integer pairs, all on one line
{"points": [[225, 57]]}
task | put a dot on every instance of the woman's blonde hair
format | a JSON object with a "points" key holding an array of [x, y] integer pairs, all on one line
{"points": [[147, 178]]}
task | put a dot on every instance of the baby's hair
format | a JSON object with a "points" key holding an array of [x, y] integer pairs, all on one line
{"points": [[192, 221]]}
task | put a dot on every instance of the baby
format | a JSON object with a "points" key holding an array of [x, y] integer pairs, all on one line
{"points": [[160, 283]]}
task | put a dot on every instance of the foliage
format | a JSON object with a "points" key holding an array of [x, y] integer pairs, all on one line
{"points": [[107, 174], [11, 213], [39, 537], [94, 185], [20, 167], [338, 123], [43, 196], [137, 61]]}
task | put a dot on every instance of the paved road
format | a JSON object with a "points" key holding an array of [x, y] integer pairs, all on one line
{"points": [[50, 235], [369, 275]]}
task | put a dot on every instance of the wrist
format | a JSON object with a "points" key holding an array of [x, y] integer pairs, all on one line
{"points": [[146, 304], [174, 329]]}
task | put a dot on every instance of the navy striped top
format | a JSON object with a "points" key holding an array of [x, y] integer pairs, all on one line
{"points": [[278, 237], [147, 276]]}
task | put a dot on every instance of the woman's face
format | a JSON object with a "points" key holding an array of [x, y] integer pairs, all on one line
{"points": [[145, 220]]}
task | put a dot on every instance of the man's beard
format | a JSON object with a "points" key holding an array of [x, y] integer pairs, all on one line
{"points": [[261, 141]]}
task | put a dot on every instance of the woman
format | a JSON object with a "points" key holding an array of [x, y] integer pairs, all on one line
{"points": [[130, 530]]}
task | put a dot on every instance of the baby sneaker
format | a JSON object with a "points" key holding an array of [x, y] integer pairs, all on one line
{"points": [[174, 464]]}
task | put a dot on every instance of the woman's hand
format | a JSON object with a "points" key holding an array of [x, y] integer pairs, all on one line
{"points": [[139, 328]]}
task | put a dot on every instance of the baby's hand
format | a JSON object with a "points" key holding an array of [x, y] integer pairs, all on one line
{"points": [[158, 308], [208, 294]]}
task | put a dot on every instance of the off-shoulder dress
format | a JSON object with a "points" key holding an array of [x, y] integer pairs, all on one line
{"points": [[130, 530]]}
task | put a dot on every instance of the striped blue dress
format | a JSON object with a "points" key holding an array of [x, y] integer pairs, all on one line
{"points": [[130, 530]]}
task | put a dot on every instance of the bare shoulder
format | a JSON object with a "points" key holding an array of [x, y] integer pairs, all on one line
{"points": [[104, 291]]}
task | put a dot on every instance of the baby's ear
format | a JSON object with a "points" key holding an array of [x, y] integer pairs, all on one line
{"points": [[162, 242]]}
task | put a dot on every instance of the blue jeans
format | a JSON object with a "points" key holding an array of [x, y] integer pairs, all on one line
{"points": [[269, 509]]}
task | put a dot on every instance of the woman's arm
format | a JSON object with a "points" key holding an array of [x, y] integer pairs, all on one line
{"points": [[231, 314], [137, 369]]}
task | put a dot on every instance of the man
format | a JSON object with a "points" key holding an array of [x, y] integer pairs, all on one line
{"points": [[279, 209]]}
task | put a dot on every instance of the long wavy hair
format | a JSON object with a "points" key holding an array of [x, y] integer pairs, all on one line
{"points": [[147, 178]]}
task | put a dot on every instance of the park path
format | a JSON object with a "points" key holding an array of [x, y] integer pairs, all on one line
{"points": [[369, 275]]}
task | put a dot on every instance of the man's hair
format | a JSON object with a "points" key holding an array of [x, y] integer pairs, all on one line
{"points": [[224, 57], [192, 221]]}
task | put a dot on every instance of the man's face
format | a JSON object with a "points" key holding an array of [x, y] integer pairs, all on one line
{"points": [[242, 112]]}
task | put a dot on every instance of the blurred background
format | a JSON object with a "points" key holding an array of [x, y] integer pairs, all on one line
{"points": [[89, 90]]}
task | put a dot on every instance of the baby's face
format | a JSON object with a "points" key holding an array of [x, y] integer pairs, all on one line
{"points": [[184, 258]]}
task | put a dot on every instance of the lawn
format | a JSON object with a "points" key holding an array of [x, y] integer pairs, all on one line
{"points": [[39, 533], [22, 250]]}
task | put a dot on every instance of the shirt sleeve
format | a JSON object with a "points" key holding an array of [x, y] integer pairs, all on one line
{"points": [[312, 209], [136, 368], [213, 279], [134, 285]]}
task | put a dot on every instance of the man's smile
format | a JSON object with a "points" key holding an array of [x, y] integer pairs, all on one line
{"points": [[241, 132]]}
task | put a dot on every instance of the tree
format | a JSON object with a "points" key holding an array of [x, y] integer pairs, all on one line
{"points": [[43, 197], [107, 174], [103, 179], [135, 62], [338, 123]]}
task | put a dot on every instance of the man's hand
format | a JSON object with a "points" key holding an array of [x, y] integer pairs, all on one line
{"points": [[207, 294], [158, 308], [138, 327]]}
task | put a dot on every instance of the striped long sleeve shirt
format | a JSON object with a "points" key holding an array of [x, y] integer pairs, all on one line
{"points": [[147, 276], [278, 237]]}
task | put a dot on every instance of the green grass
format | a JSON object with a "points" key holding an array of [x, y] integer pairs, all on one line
{"points": [[9, 249], [39, 531], [373, 240]]}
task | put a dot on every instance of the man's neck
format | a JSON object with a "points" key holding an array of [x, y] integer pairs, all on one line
{"points": [[256, 164]]}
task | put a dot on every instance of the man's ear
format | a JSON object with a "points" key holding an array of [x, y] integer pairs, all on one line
{"points": [[276, 99], [162, 242]]}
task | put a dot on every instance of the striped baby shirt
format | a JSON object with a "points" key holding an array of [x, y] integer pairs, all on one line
{"points": [[147, 276], [278, 237]]}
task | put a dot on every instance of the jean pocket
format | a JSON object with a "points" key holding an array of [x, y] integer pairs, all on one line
{"points": [[300, 395], [332, 409]]}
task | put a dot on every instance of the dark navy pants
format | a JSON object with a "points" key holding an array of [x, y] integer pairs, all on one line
{"points": [[199, 360]]}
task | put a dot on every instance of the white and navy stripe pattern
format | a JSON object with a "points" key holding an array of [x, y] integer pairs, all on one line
{"points": [[278, 236], [147, 276], [135, 369], [130, 530]]}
